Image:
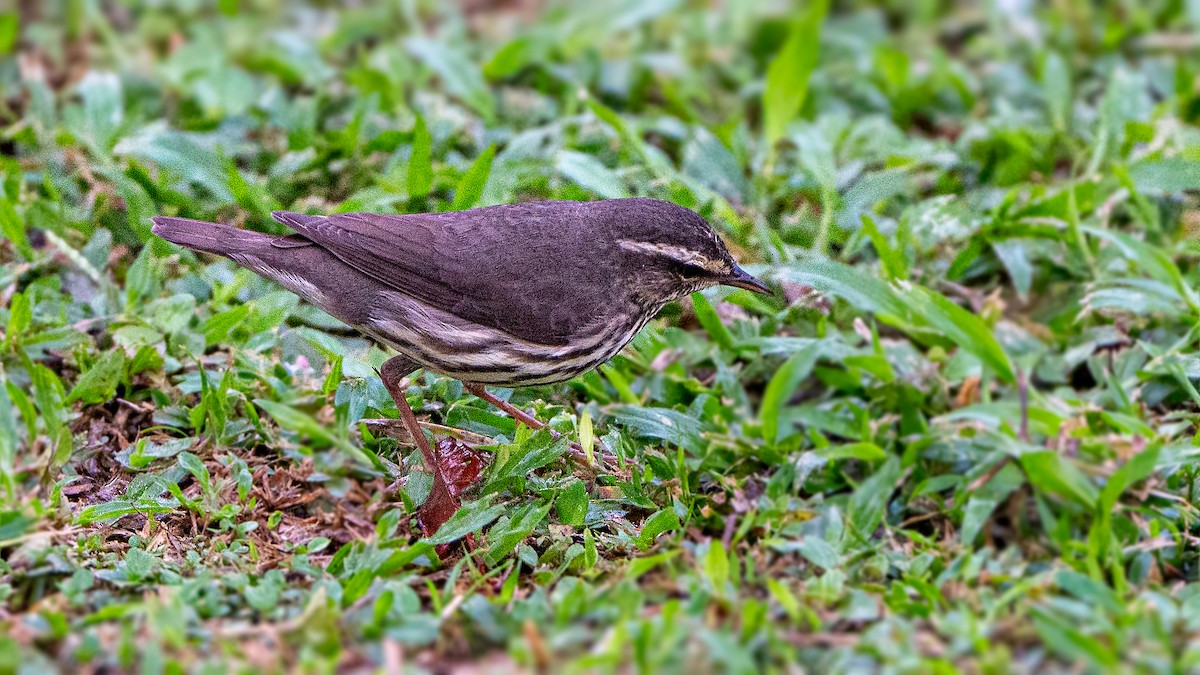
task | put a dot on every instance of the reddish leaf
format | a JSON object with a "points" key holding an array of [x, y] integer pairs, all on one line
{"points": [[437, 508], [458, 468], [461, 464]]}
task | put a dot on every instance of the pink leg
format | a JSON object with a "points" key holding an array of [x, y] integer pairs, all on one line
{"points": [[529, 420], [394, 370]]}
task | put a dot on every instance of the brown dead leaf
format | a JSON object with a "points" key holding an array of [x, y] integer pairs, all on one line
{"points": [[729, 313], [968, 393], [458, 468], [537, 645], [805, 296], [460, 464], [1191, 223]]}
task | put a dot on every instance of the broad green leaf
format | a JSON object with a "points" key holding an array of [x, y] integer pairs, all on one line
{"points": [[660, 522], [264, 595], [12, 525], [1051, 473], [1014, 254], [1074, 646], [1167, 175], [141, 278], [471, 517], [860, 289], [785, 597], [145, 452], [248, 192], [269, 311], [1136, 296], [20, 317], [1150, 260], [295, 420], [184, 157], [103, 108], [9, 29], [145, 358], [621, 383], [708, 161], [334, 379], [505, 535], [789, 72], [470, 187], [21, 400], [192, 464], [1137, 469], [459, 75], [1094, 593], [171, 314], [133, 337], [420, 164], [514, 56], [975, 515], [48, 396], [99, 383], [590, 174], [782, 385], [962, 327], [13, 227], [707, 316], [867, 452], [590, 555], [536, 452], [1056, 90], [716, 566], [894, 265], [664, 424], [640, 566], [587, 438], [870, 499], [656, 161], [139, 564], [819, 552], [111, 511], [218, 326], [10, 438], [571, 505]]}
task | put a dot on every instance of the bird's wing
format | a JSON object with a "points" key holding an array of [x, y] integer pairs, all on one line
{"points": [[527, 269]]}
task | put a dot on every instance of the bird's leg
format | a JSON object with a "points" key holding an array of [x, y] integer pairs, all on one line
{"points": [[513, 411], [393, 371], [525, 418], [452, 458]]}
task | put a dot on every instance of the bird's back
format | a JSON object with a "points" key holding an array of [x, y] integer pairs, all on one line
{"points": [[528, 269]]}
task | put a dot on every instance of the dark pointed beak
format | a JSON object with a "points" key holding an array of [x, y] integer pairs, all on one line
{"points": [[743, 279]]}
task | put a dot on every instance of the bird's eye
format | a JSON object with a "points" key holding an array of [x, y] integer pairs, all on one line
{"points": [[691, 271]]}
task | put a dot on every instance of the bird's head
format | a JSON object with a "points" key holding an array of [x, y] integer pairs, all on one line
{"points": [[673, 251]]}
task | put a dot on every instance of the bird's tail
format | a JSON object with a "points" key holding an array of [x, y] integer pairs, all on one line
{"points": [[213, 238]]}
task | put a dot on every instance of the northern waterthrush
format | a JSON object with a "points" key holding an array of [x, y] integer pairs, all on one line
{"points": [[510, 296]]}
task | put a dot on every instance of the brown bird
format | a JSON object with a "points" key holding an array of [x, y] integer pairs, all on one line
{"points": [[509, 296]]}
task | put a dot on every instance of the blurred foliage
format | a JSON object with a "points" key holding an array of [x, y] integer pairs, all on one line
{"points": [[963, 435]]}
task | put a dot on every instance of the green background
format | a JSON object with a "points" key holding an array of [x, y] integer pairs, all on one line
{"points": [[961, 436]]}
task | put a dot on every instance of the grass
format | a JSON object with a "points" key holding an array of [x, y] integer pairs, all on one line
{"points": [[962, 436]]}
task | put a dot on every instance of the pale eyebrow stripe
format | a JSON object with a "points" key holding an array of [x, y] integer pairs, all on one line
{"points": [[684, 255]]}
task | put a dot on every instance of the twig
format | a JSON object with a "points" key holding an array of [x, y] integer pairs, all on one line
{"points": [[991, 473], [1023, 395], [730, 525]]}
